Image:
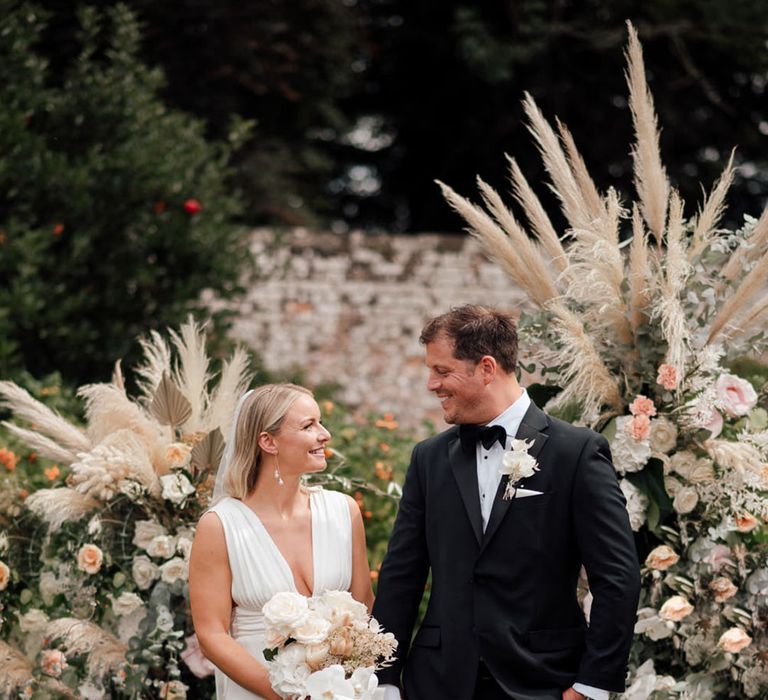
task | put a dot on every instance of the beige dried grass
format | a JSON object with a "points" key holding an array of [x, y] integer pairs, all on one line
{"points": [[650, 176], [704, 228]]}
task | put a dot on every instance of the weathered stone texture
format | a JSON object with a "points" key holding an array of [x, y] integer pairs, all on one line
{"points": [[348, 309]]}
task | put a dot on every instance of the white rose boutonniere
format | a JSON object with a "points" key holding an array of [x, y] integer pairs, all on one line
{"points": [[517, 464]]}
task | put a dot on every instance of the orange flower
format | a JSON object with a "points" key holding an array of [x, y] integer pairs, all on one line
{"points": [[23, 493], [388, 422], [383, 471], [32, 457], [374, 575], [327, 406], [384, 447], [52, 473], [746, 522], [8, 458], [58, 229], [328, 452]]}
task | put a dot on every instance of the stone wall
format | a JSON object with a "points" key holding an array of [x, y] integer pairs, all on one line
{"points": [[348, 309]]}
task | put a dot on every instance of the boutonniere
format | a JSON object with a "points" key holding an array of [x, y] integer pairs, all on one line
{"points": [[517, 464]]}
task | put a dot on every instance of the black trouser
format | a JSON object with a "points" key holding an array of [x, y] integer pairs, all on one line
{"points": [[486, 688]]}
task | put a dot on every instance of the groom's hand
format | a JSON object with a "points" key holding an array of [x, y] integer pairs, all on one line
{"points": [[571, 694]]}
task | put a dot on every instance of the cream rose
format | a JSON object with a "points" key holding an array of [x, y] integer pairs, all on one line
{"points": [[285, 610], [177, 454], [173, 690], [146, 531], [637, 504], [126, 604], [5, 575], [734, 640], [693, 469], [52, 662], [90, 558], [173, 570], [313, 630], [341, 608], [736, 395], [746, 522], [663, 435], [722, 588], [162, 547], [675, 609], [34, 620], [176, 487], [661, 558], [316, 655], [685, 500], [144, 572]]}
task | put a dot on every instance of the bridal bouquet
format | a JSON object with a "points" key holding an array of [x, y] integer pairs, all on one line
{"points": [[324, 647]]}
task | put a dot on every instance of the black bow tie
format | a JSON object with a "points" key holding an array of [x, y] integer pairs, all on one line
{"points": [[470, 435]]}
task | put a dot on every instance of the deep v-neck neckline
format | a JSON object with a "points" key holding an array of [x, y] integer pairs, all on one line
{"points": [[281, 558]]}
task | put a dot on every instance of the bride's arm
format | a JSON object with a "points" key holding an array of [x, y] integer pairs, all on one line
{"points": [[361, 572], [210, 585]]}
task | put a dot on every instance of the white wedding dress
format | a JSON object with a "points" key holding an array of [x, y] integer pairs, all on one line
{"points": [[259, 569]]}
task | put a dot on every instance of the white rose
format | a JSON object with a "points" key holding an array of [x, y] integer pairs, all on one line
{"points": [[144, 572], [637, 504], [288, 671], [734, 640], [285, 610], [184, 546], [174, 570], [126, 603], [49, 587], [313, 630], [176, 487], [339, 607], [735, 395], [685, 500], [162, 547], [34, 620], [663, 435], [629, 455], [651, 625], [145, 531], [675, 609]]}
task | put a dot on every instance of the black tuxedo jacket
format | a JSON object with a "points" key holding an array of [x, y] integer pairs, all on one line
{"points": [[508, 596]]}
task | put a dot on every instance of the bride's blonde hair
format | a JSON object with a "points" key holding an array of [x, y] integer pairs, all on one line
{"points": [[263, 412]]}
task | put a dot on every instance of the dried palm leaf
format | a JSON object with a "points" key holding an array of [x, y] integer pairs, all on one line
{"points": [[45, 421], [497, 245], [191, 372], [169, 406], [234, 381], [157, 361], [207, 453], [105, 652], [564, 184], [736, 303], [711, 211], [650, 177], [61, 505], [537, 216]]}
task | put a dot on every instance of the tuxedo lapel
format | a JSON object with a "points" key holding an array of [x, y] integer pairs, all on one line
{"points": [[531, 427], [464, 466]]}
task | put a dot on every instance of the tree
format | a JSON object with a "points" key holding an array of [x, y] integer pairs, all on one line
{"points": [[115, 212]]}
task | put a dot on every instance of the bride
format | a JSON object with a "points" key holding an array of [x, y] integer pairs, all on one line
{"points": [[268, 533]]}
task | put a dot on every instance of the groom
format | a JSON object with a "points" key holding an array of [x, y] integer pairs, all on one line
{"points": [[503, 621]]}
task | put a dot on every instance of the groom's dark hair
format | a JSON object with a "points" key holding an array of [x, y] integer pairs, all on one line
{"points": [[476, 331]]}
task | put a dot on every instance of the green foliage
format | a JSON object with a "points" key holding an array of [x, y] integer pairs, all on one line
{"points": [[100, 232]]}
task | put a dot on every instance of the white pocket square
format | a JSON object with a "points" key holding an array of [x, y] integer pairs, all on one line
{"points": [[525, 493]]}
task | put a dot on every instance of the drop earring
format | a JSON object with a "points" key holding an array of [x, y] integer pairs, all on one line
{"points": [[278, 478]]}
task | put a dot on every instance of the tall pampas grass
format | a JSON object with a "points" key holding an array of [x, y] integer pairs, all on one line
{"points": [[704, 229], [105, 652], [756, 244], [650, 177], [157, 361], [15, 670], [46, 422], [61, 505], [192, 371], [639, 274], [233, 382]]}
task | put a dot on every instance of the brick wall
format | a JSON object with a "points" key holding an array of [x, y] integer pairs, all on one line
{"points": [[348, 309]]}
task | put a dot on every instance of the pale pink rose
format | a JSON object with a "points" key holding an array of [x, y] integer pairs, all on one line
{"points": [[736, 395], [734, 640], [723, 588], [675, 609], [639, 428], [661, 558], [177, 454], [196, 661], [53, 662], [719, 557], [5, 575], [746, 522], [667, 377], [89, 558], [714, 424], [642, 406], [316, 655]]}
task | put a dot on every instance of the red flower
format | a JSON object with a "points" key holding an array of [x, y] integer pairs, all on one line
{"points": [[159, 206], [192, 207], [58, 229]]}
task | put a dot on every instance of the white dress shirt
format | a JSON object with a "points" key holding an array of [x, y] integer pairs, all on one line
{"points": [[488, 479]]}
